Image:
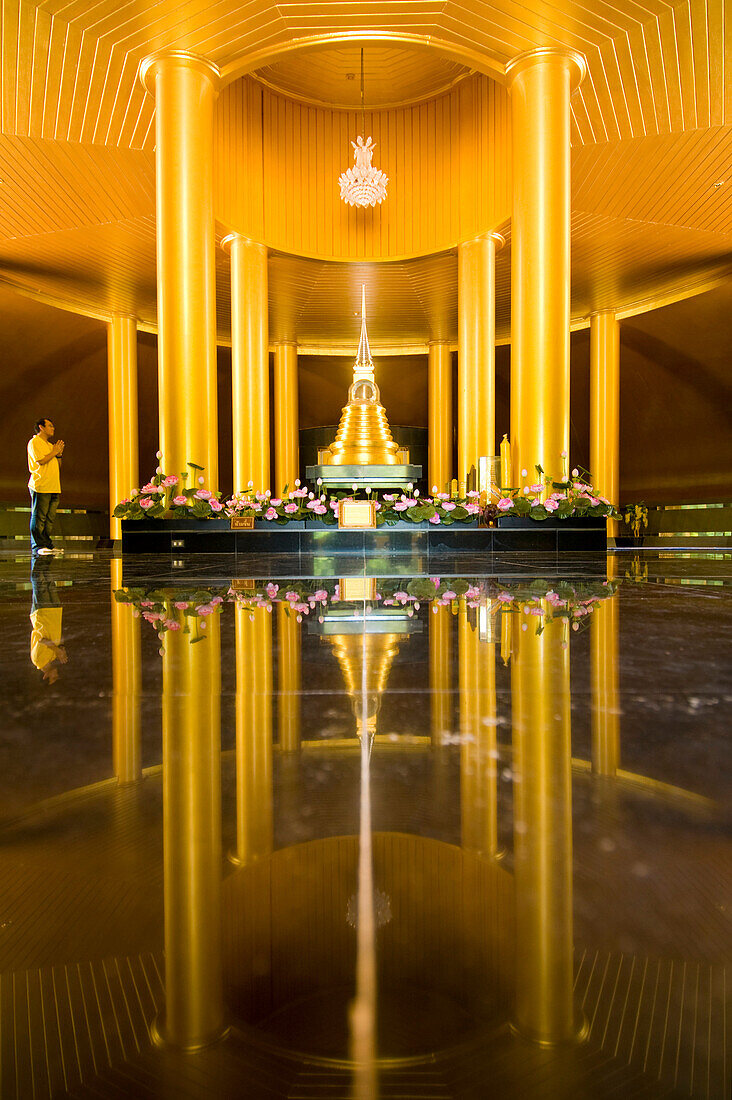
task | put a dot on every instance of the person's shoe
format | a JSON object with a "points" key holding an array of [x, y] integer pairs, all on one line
{"points": [[44, 550]]}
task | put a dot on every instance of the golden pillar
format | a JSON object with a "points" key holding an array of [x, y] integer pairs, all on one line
{"points": [[286, 420], [540, 82], [605, 408], [289, 669], [605, 689], [249, 362], [440, 621], [124, 472], [476, 352], [478, 743], [253, 735], [439, 387], [542, 755], [126, 686], [194, 1010], [185, 89]]}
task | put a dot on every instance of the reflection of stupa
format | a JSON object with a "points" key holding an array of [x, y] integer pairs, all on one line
{"points": [[364, 452], [365, 662]]}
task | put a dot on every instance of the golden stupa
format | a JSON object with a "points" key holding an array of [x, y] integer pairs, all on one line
{"points": [[363, 437]]}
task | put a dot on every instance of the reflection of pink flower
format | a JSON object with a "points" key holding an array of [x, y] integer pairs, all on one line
{"points": [[290, 508], [291, 596], [536, 611], [504, 504], [145, 502], [473, 593], [171, 624], [272, 590], [321, 596], [179, 500], [449, 595], [216, 600], [270, 514], [181, 605], [205, 609], [505, 597]]}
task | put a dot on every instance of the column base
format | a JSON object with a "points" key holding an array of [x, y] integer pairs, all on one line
{"points": [[160, 1038], [579, 1034]]}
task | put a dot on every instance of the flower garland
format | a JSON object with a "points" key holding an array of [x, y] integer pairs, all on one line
{"points": [[570, 498]]}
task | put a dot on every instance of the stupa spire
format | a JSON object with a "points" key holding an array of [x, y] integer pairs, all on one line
{"points": [[364, 365]]}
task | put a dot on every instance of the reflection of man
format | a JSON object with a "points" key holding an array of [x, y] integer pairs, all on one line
{"points": [[46, 648], [44, 485]]}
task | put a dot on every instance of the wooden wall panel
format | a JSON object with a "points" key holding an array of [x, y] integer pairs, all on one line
{"points": [[448, 163]]}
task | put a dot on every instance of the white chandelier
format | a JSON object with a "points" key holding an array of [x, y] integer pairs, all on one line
{"points": [[363, 185]]}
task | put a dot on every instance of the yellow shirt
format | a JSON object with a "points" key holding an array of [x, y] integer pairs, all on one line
{"points": [[46, 478], [46, 624]]}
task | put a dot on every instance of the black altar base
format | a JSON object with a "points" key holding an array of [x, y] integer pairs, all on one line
{"points": [[512, 534]]}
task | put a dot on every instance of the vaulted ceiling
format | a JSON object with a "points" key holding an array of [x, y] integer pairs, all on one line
{"points": [[651, 131]]}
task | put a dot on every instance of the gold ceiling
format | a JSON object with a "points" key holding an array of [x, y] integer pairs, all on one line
{"points": [[652, 146]]}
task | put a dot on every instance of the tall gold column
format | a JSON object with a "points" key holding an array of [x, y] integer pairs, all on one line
{"points": [[194, 1011], [542, 755], [605, 408], [286, 420], [439, 443], [253, 735], [289, 670], [440, 621], [185, 89], [605, 684], [476, 351], [126, 685], [478, 747], [249, 362], [124, 469], [540, 83]]}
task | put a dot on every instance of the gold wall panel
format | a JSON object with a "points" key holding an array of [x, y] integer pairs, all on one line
{"points": [[448, 163]]}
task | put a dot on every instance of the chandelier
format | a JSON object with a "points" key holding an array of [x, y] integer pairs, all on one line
{"points": [[363, 185]]}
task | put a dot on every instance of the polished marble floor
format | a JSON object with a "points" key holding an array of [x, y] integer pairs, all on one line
{"points": [[347, 830]]}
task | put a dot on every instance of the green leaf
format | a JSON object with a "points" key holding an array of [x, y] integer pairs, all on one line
{"points": [[521, 506], [539, 512], [195, 466], [459, 513]]}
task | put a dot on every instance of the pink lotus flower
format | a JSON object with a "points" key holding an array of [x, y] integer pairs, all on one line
{"points": [[473, 593], [334, 505], [292, 597], [472, 509], [401, 506], [171, 624], [290, 508], [505, 597], [216, 505], [203, 494], [180, 500], [272, 589], [434, 519], [275, 502], [551, 505], [146, 502], [270, 514], [320, 509], [312, 504], [449, 506], [171, 479], [504, 504], [537, 488], [205, 609], [390, 496], [150, 487], [449, 595], [321, 596]]}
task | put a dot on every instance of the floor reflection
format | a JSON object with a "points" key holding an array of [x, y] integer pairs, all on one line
{"points": [[365, 836]]}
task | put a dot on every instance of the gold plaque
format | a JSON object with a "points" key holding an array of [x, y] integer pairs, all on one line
{"points": [[356, 589], [357, 513], [243, 584], [242, 523]]}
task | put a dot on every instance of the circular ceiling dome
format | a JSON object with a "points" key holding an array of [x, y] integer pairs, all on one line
{"points": [[332, 76]]}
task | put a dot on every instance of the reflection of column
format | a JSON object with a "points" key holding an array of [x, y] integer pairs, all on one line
{"points": [[478, 747], [440, 674], [185, 88], [605, 695], [249, 362], [439, 443], [543, 833], [540, 83], [122, 401], [126, 686], [286, 417], [476, 351], [194, 1012], [605, 408], [253, 735], [288, 668]]}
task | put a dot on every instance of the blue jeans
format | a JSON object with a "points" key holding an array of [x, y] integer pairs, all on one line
{"points": [[43, 513]]}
